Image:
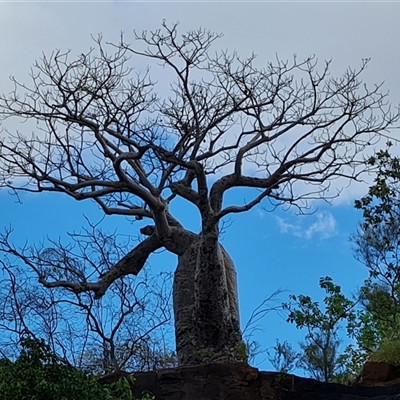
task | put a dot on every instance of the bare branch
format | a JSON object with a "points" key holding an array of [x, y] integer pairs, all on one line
{"points": [[288, 129]]}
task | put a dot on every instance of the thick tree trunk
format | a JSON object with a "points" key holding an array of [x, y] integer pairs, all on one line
{"points": [[206, 306]]}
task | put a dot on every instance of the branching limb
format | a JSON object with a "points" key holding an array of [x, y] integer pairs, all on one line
{"points": [[53, 263]]}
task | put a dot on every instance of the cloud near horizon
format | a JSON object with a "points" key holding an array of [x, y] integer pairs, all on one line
{"points": [[323, 227]]}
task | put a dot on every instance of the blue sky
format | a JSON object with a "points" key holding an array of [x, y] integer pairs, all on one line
{"points": [[279, 250]]}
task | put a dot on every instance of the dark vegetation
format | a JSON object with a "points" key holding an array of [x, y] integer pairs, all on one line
{"points": [[37, 374]]}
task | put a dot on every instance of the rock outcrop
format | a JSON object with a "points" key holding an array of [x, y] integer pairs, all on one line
{"points": [[239, 381], [376, 373]]}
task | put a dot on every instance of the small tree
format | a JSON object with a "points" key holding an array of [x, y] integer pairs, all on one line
{"points": [[104, 134], [320, 356], [284, 358]]}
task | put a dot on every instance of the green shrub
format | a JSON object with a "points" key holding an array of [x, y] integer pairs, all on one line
{"points": [[38, 375], [388, 351]]}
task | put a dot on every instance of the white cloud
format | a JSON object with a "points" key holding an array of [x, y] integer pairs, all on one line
{"points": [[323, 227]]}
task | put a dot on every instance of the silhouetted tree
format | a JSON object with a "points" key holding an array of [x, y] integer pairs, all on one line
{"points": [[287, 131]]}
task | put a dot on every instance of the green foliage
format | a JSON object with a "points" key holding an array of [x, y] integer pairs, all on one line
{"points": [[388, 351], [241, 351], [377, 246], [37, 374], [381, 303], [368, 327], [382, 199], [309, 315], [319, 354]]}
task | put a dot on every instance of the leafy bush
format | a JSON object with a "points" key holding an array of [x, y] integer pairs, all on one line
{"points": [[37, 374], [388, 351]]}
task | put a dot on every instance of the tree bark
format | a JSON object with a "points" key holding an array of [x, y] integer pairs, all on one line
{"points": [[206, 310]]}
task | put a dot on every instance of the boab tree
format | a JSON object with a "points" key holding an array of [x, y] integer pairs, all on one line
{"points": [[104, 134]]}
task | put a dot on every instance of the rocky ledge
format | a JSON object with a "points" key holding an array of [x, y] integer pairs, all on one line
{"points": [[239, 381]]}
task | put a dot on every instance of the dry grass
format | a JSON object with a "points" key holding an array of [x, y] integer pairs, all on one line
{"points": [[388, 351]]}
